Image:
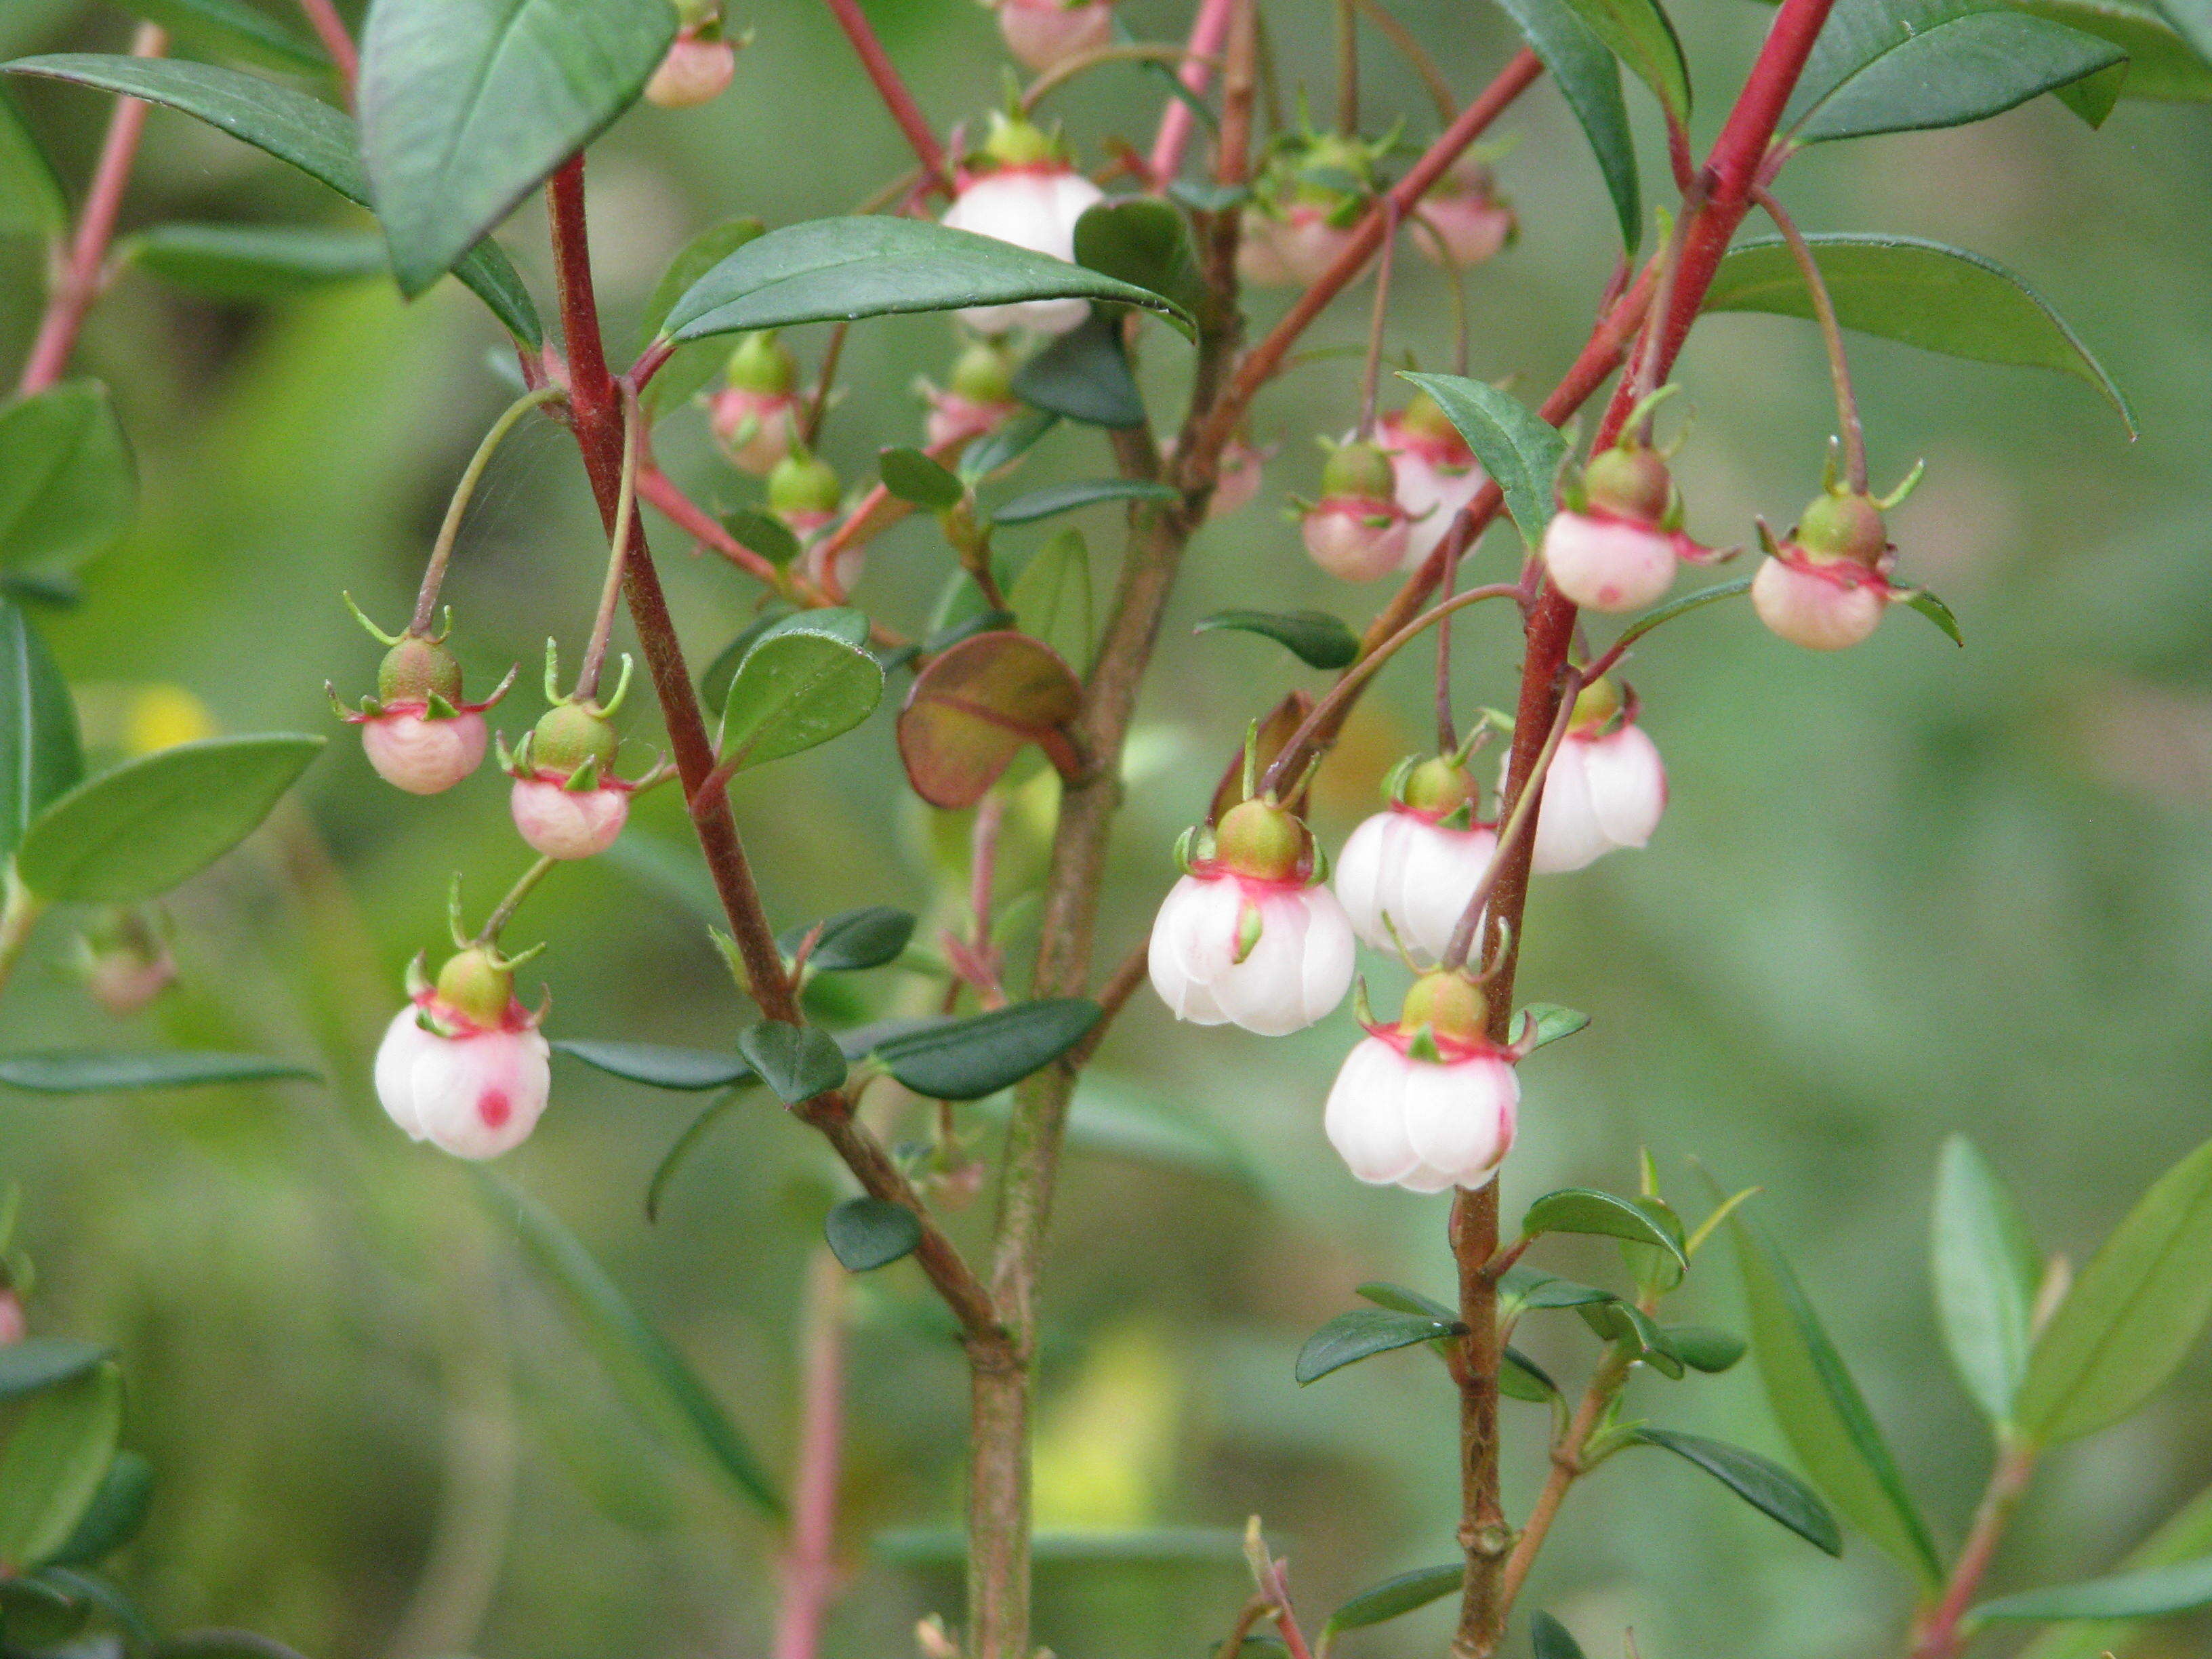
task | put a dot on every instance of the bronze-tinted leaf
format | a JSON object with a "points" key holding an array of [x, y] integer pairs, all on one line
{"points": [[972, 710]]}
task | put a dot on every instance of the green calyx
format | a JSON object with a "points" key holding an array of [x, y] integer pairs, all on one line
{"points": [[1018, 142], [1599, 702], [418, 670], [572, 736], [1438, 787], [1260, 839], [1448, 1003], [804, 485], [1630, 483], [1425, 418], [1841, 524], [982, 375], [1359, 469], [478, 983], [760, 364]]}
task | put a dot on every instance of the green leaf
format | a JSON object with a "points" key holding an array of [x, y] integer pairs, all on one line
{"points": [[1553, 1022], [1901, 65], [1703, 1347], [1394, 1597], [105, 1070], [39, 755], [1051, 598], [1616, 1321], [827, 270], [289, 125], [688, 372], [854, 939], [1765, 1485], [714, 682], [1364, 1332], [2132, 1315], [37, 1363], [1014, 439], [1937, 612], [138, 831], [915, 478], [1525, 1288], [1520, 1377], [688, 1069], [867, 1233], [113, 1517], [67, 485], [2191, 19], [256, 262], [1083, 375], [1549, 1639], [1069, 497], [1923, 294], [1586, 1210], [2185, 1536], [969, 713], [1588, 78], [797, 1062], [660, 1388], [2147, 1595], [679, 1151], [1640, 34], [1313, 637], [805, 680], [2161, 62], [1820, 1409], [60, 1450], [1986, 1273], [968, 1059], [764, 532], [233, 28], [1398, 1299], [467, 106], [31, 200], [1520, 451], [1142, 242]]}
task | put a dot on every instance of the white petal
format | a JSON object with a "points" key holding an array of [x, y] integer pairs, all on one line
{"points": [[1368, 852], [1180, 969], [1441, 869], [1607, 564], [404, 1043], [1627, 784], [1330, 954], [1812, 611], [484, 1094], [1365, 1118], [1568, 835], [1459, 1116]]}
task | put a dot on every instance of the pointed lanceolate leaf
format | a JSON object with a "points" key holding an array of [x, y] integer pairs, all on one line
{"points": [[41, 1362], [293, 127], [1550, 1640], [967, 714], [1923, 294], [1518, 450], [1083, 375], [68, 484], [1760, 1482], [694, 1134], [2147, 1595], [1820, 1410], [826, 270], [968, 1059], [657, 1066], [1398, 1299], [56, 1456], [2132, 1317], [854, 939], [1394, 1597], [2185, 1536], [1986, 1273], [1364, 1332], [797, 1062], [1069, 497], [1588, 78], [467, 106], [136, 832], [256, 262], [1641, 35], [1520, 1377], [1937, 612], [106, 1071], [1313, 637], [1585, 1210], [867, 1233], [39, 755], [805, 680]]}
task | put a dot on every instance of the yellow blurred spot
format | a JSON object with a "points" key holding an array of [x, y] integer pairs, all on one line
{"points": [[1106, 1445], [162, 716]]}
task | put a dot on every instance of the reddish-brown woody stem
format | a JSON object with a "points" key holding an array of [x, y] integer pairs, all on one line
{"points": [[892, 90]]}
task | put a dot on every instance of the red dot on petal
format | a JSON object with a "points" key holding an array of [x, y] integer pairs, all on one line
{"points": [[494, 1107]]}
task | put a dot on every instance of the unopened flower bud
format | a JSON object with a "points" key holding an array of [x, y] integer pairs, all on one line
{"points": [[1462, 222], [1029, 196], [1356, 531], [1617, 550], [462, 1065], [755, 416], [1407, 874], [417, 733], [1826, 587], [1044, 33], [1606, 789], [696, 70], [1436, 472], [803, 491], [1429, 1102], [124, 963], [1307, 209], [978, 401], [564, 822], [14, 1325], [418, 669]]}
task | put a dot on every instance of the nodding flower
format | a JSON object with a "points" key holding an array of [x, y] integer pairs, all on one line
{"points": [[1043, 34], [1429, 1102], [1408, 874], [1607, 785], [418, 732], [1024, 191], [463, 1064], [1356, 531], [1826, 585]]}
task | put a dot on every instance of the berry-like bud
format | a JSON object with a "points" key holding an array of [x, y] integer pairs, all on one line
{"points": [[570, 735], [418, 669], [1031, 198], [761, 363], [1452, 1006], [1438, 787], [805, 493], [697, 69], [1360, 469], [422, 755], [1631, 484], [1826, 588], [478, 985], [980, 398], [1018, 142], [1259, 839], [1595, 705], [1356, 531], [1045, 33], [1462, 222], [1436, 472], [1607, 563], [1844, 526]]}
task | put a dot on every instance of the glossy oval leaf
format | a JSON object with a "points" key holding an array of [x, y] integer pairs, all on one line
{"points": [[1760, 1482], [828, 270], [289, 125], [1588, 78], [865, 1234], [1084, 375], [1070, 497], [1141, 240], [968, 1059], [2185, 1536], [40, 757], [797, 1062], [916, 479], [2132, 1317], [2150, 1593], [1586, 1210], [689, 1070], [805, 680], [136, 832], [1383, 1294], [1922, 294], [1394, 1597], [1820, 1410], [1550, 1640], [1642, 37], [854, 939], [31, 203], [1986, 1273], [1705, 1348], [467, 106], [104, 1071], [42, 1362], [651, 1376], [256, 262], [1313, 637], [68, 484], [55, 1457], [117, 1511], [1520, 451], [969, 713], [1616, 1321], [1362, 1334]]}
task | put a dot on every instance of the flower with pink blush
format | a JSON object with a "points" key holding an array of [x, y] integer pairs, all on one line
{"points": [[977, 401], [567, 801], [1405, 878], [1044, 33], [1607, 787], [1356, 531], [1294, 248], [563, 822], [1028, 196], [753, 428], [1607, 563], [1825, 588], [463, 1064], [1462, 222], [696, 70], [417, 732], [1429, 1102], [1436, 472]]}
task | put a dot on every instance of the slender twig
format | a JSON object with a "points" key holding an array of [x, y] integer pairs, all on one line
{"points": [[1447, 733], [1519, 825], [1124, 51], [1566, 1469], [504, 911], [1347, 68], [1402, 42], [1941, 1635], [441, 551], [603, 620], [696, 522], [330, 28], [78, 280], [810, 1574], [809, 432], [1831, 335], [1209, 32], [893, 91], [1378, 318], [1255, 1610]]}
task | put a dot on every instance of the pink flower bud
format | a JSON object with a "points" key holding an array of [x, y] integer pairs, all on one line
{"points": [[1044, 33], [954, 419], [14, 1327], [1272, 956], [1423, 1124], [1293, 250], [1357, 538], [474, 1091], [1607, 563], [1033, 206], [1463, 223], [568, 823], [421, 753], [753, 428], [1604, 790], [1437, 473], [1402, 871], [1823, 605], [696, 71]]}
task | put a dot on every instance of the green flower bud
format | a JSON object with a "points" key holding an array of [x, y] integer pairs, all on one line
{"points": [[1598, 703], [1360, 470], [1844, 526], [1438, 787], [569, 735], [982, 375], [1450, 1004], [1017, 142], [804, 487], [415, 669], [1259, 839], [1629, 484], [761, 364], [473, 983]]}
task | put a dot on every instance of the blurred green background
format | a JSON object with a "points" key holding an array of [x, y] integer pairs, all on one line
{"points": [[1901, 893]]}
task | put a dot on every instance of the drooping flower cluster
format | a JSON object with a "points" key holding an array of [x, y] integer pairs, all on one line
{"points": [[463, 1064]]}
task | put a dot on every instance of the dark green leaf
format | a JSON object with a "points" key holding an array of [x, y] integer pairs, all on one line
{"points": [[256, 262], [1549, 1639], [104, 1071], [797, 1062], [971, 1058], [805, 680], [825, 270], [2161, 64], [689, 1069], [40, 1362], [867, 1233], [1553, 1022], [764, 533], [1524, 1287], [137, 831], [1588, 78], [1363, 1333], [1923, 294], [1067, 497], [289, 125], [40, 1612], [1015, 438], [233, 28], [67, 485], [1394, 1597], [1703, 1347], [1084, 375], [715, 683], [693, 261], [1143, 241], [914, 477], [1986, 1273], [60, 1450], [1640, 34], [851, 939], [1937, 612], [1820, 1409], [1313, 637], [969, 713], [466, 106], [1765, 1485], [652, 1375], [1051, 598], [2132, 1317], [2185, 1536], [1520, 1377], [1585, 1210], [118, 1510], [1616, 1321], [40, 755], [1398, 1299], [31, 200], [2146, 1595], [1520, 452]]}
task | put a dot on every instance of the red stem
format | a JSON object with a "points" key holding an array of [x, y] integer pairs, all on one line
{"points": [[1939, 1637], [330, 28], [1207, 36], [809, 1573], [655, 486], [79, 281], [892, 90]]}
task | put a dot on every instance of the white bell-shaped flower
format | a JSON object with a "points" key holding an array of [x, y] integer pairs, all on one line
{"points": [[1431, 1102], [470, 1076], [1031, 198], [1407, 874], [1606, 789], [1043, 33]]}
